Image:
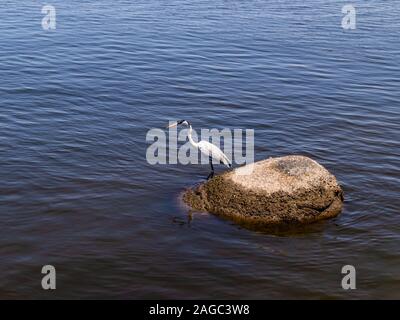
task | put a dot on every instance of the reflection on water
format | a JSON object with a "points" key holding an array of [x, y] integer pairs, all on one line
{"points": [[76, 104]]}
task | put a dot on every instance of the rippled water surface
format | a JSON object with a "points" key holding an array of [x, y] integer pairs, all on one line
{"points": [[76, 104]]}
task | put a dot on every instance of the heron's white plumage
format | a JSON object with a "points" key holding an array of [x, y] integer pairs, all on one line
{"points": [[214, 152], [205, 147]]}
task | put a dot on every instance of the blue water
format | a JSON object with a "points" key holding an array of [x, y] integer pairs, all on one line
{"points": [[76, 104]]}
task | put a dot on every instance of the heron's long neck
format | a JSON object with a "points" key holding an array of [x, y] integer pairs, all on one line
{"points": [[190, 137]]}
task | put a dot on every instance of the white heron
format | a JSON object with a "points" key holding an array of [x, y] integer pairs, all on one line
{"points": [[205, 147]]}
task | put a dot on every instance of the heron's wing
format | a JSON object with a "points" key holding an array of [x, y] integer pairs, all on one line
{"points": [[216, 153]]}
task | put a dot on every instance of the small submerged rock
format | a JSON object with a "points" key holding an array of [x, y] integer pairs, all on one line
{"points": [[286, 191]]}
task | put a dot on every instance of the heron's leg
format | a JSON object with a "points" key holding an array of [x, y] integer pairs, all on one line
{"points": [[211, 164], [212, 169]]}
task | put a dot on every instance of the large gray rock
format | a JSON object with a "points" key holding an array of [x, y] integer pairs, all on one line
{"points": [[283, 191]]}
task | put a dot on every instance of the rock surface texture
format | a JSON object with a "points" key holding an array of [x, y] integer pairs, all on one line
{"points": [[289, 191]]}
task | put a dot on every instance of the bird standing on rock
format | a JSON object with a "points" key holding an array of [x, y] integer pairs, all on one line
{"points": [[205, 147]]}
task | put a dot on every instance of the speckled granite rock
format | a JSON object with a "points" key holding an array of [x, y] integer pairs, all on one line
{"points": [[290, 190]]}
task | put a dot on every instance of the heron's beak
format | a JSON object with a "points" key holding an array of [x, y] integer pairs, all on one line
{"points": [[174, 124]]}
